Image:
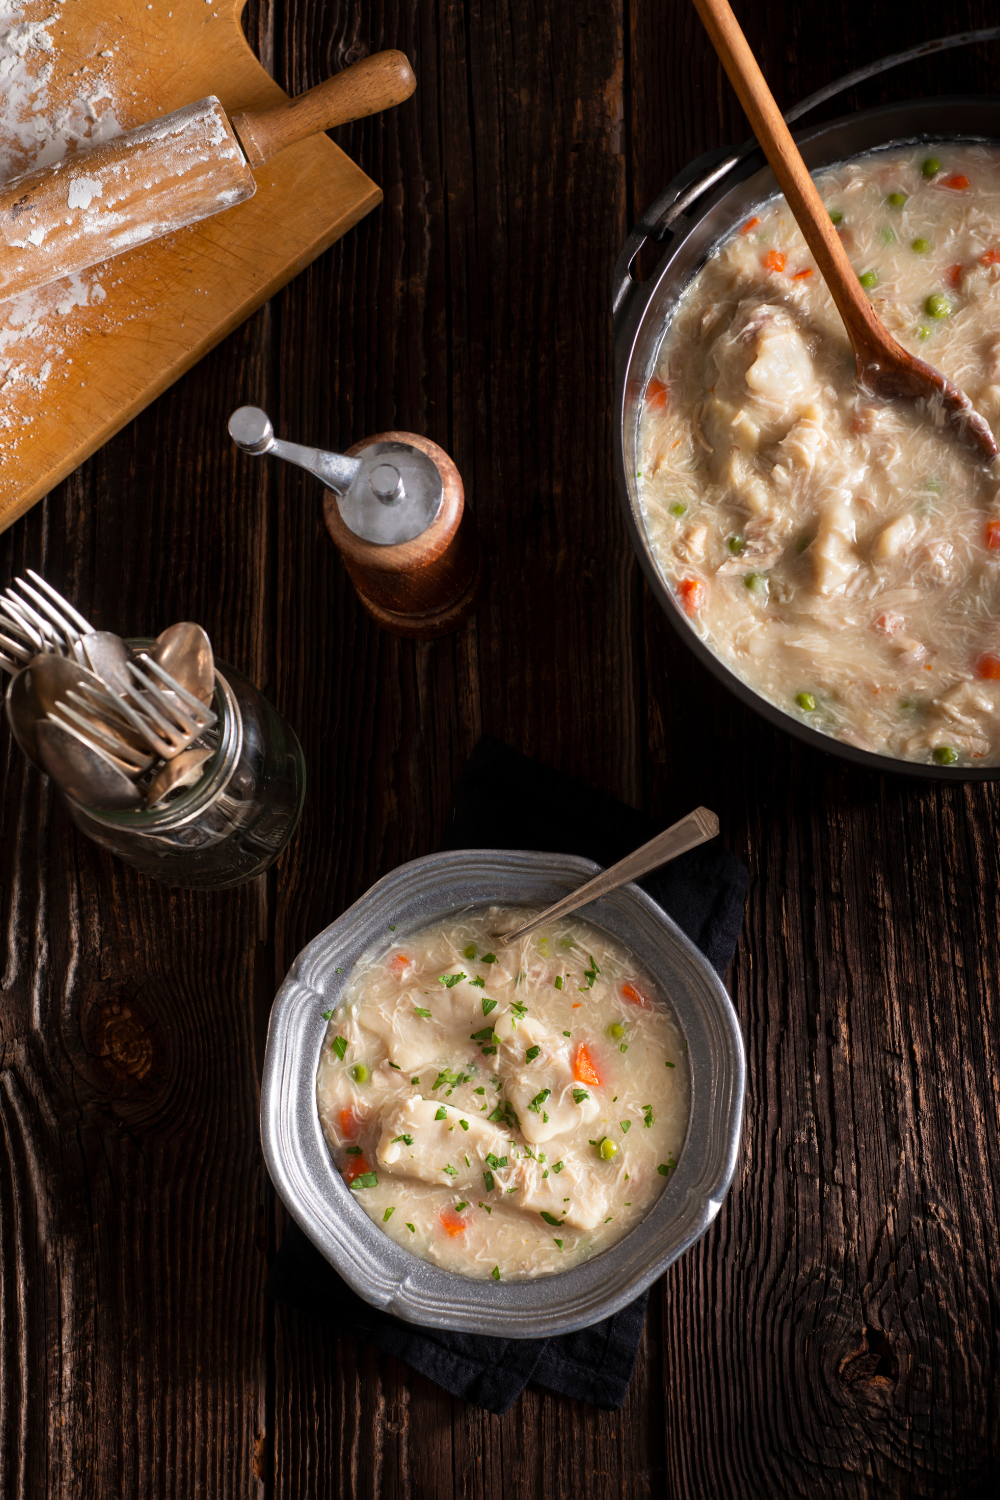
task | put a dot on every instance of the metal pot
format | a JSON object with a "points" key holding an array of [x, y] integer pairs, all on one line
{"points": [[643, 309], [308, 1183]]}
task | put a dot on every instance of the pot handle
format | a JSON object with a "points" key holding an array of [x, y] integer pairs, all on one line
{"points": [[694, 180]]}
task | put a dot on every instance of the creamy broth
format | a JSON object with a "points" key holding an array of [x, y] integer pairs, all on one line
{"points": [[842, 555], [504, 1112]]}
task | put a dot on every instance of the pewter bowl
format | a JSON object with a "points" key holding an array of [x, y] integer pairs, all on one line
{"points": [[308, 1183]]}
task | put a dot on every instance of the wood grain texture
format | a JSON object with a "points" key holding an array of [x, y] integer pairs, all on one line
{"points": [[834, 1335]]}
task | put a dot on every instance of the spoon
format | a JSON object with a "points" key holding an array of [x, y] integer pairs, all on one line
{"points": [[185, 651], [54, 684], [183, 770], [83, 772], [697, 828], [109, 659], [882, 365]]}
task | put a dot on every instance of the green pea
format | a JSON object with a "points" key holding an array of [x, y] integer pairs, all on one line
{"points": [[896, 200], [753, 581], [921, 246], [359, 1073], [806, 701], [888, 236], [944, 755], [736, 545], [616, 1029], [678, 508], [937, 306], [923, 333], [931, 167], [607, 1149], [868, 280], [836, 217]]}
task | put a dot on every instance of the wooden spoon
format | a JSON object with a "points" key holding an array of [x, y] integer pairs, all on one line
{"points": [[883, 366]]}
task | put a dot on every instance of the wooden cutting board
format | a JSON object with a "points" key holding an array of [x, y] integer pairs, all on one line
{"points": [[80, 358]]}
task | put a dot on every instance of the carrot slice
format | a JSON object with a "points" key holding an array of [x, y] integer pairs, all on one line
{"points": [[958, 182], [633, 994], [801, 275], [399, 962], [354, 1168], [692, 593], [350, 1124], [988, 666], [774, 260], [954, 274], [657, 396], [451, 1222], [992, 534], [991, 258], [583, 1067], [750, 224]]}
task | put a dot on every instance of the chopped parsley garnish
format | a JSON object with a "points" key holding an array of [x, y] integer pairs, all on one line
{"points": [[464, 1124], [392, 927], [558, 981], [415, 1081], [477, 983], [489, 958], [498, 1114], [412, 1228], [669, 1065], [519, 1010], [558, 1242], [666, 1166], [539, 1100], [488, 1181], [442, 1114], [647, 1115], [504, 1112], [365, 1180], [469, 952], [623, 1047], [422, 1010], [566, 943], [326, 1014], [495, 1161], [579, 1095], [451, 1078], [407, 1140], [626, 1126], [339, 1045], [545, 1119], [551, 1218], [388, 1214], [557, 1166], [355, 1151], [460, 1206], [608, 1219], [488, 1005], [396, 1066], [450, 1170], [565, 1033], [495, 1273], [590, 974], [531, 1054], [450, 980], [479, 1091], [487, 1034]]}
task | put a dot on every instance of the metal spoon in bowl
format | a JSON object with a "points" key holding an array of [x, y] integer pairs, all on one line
{"points": [[83, 772], [183, 770], [54, 684], [697, 828], [882, 365]]}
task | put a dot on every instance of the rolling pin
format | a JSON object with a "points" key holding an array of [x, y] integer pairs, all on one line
{"points": [[160, 177], [396, 509]]}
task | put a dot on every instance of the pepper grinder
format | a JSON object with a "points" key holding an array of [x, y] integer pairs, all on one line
{"points": [[396, 510]]}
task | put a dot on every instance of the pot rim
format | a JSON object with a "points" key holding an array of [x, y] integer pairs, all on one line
{"points": [[382, 1272], [631, 301]]}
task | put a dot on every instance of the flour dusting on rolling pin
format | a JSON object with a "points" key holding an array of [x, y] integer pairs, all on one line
{"points": [[95, 204]]}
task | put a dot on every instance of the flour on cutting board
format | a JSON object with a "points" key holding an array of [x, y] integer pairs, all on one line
{"points": [[36, 129]]}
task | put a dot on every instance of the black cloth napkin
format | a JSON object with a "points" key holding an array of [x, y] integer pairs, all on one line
{"points": [[506, 801]]}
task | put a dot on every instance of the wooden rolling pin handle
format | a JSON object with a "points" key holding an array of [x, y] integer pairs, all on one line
{"points": [[425, 587], [367, 87]]}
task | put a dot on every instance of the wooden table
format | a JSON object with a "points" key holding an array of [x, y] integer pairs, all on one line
{"points": [[836, 1332]]}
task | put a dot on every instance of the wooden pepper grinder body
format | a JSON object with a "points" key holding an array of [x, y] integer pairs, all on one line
{"points": [[429, 585]]}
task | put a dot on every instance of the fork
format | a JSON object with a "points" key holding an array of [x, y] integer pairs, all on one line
{"points": [[168, 718]]}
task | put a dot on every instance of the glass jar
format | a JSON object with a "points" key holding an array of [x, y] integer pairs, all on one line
{"points": [[237, 818]]}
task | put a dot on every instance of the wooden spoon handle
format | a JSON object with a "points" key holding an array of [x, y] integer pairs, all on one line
{"points": [[864, 330], [376, 83]]}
